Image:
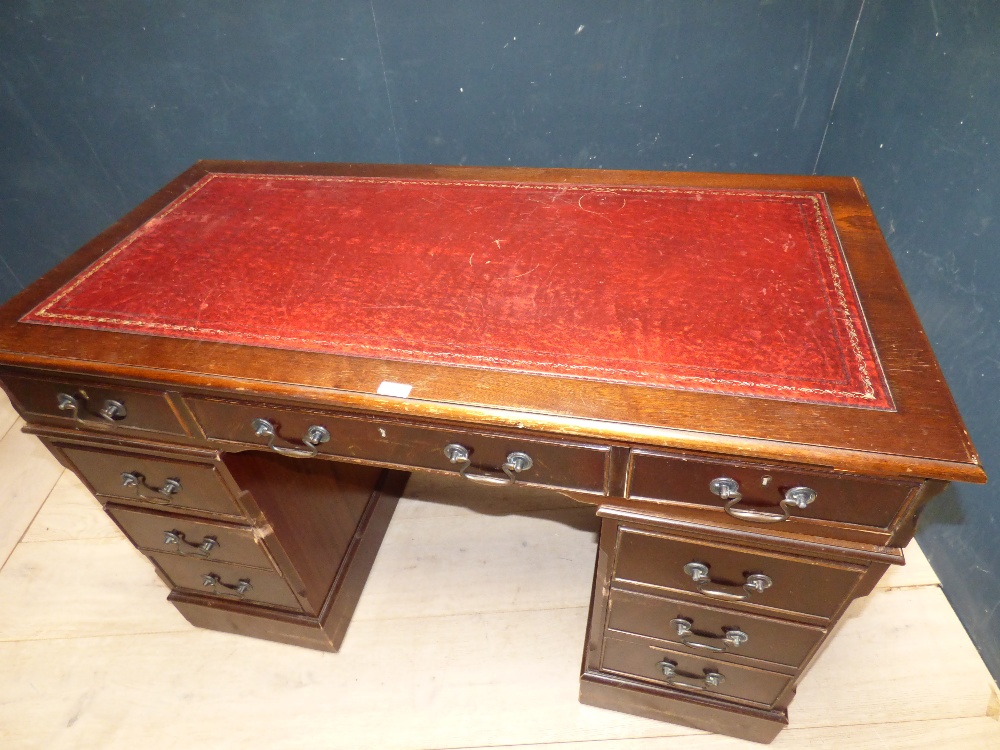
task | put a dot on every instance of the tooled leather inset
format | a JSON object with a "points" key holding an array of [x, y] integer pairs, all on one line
{"points": [[744, 292]]}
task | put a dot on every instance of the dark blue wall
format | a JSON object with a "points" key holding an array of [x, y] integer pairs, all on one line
{"points": [[101, 103], [736, 86], [918, 120]]}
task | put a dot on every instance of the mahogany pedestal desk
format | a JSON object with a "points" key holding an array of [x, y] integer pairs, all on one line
{"points": [[727, 368]]}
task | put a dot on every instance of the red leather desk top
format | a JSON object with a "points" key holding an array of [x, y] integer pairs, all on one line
{"points": [[719, 290]]}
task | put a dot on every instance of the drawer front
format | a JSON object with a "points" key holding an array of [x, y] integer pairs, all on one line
{"points": [[96, 406], [838, 498], [635, 657], [153, 531], [710, 631], [732, 574], [576, 467], [169, 483], [227, 581]]}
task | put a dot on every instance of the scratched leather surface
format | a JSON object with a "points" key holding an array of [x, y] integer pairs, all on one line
{"points": [[732, 291]]}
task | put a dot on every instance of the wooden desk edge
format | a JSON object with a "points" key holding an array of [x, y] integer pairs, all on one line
{"points": [[838, 459]]}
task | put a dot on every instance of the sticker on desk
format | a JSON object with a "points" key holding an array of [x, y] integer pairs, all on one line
{"points": [[388, 388]]}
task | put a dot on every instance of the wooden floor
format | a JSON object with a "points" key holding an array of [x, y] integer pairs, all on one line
{"points": [[469, 635]]}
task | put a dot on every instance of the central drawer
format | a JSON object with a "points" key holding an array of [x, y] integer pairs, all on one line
{"points": [[578, 467]]}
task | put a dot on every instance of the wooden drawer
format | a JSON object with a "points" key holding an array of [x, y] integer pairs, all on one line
{"points": [[262, 587], [196, 486], [697, 629], [796, 584], [839, 498], [582, 468], [154, 531], [638, 658], [124, 409]]}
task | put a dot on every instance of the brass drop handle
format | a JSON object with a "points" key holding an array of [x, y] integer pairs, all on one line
{"points": [[314, 437], [729, 639], [239, 589], [729, 490], [755, 583], [515, 463], [190, 549], [110, 412], [137, 481], [711, 679]]}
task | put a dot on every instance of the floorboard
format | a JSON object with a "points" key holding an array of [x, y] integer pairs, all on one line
{"points": [[7, 414], [68, 513], [932, 734], [27, 474]]}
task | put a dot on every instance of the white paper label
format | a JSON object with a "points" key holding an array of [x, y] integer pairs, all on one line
{"points": [[388, 388]]}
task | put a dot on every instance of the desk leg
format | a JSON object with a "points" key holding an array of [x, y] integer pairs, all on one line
{"points": [[326, 522], [617, 692]]}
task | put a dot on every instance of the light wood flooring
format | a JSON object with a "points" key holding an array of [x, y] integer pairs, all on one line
{"points": [[469, 635]]}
